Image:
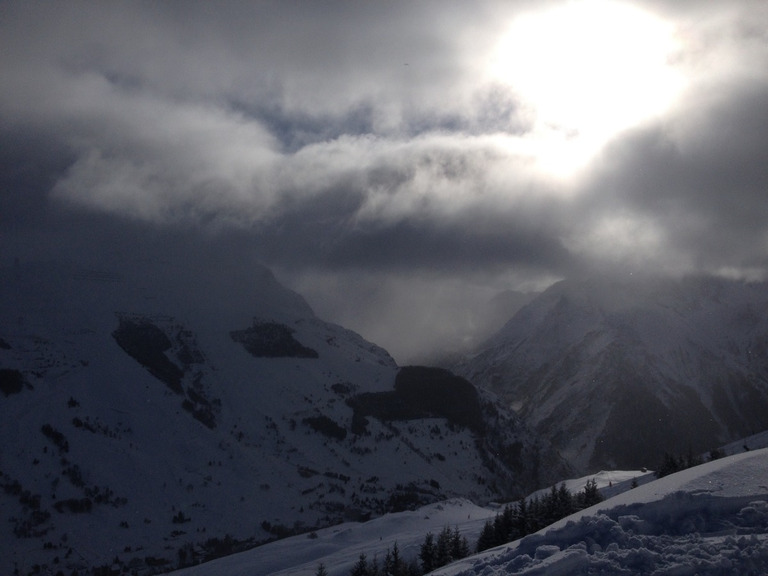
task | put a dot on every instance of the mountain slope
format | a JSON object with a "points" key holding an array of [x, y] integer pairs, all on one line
{"points": [[710, 519], [617, 372], [155, 415]]}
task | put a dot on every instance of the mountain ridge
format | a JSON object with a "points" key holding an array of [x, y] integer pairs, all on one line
{"points": [[682, 359]]}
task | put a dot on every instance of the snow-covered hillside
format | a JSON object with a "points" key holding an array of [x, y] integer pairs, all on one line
{"points": [[158, 414], [711, 519], [338, 548], [616, 372]]}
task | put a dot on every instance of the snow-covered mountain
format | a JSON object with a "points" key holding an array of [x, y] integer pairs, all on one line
{"points": [[616, 372], [161, 413]]}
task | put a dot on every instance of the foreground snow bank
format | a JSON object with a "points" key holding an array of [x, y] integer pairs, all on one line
{"points": [[712, 519]]}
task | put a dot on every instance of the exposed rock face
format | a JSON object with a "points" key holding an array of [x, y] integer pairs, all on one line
{"points": [[147, 344], [271, 340]]}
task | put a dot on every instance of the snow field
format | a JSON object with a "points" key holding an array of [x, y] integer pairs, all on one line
{"points": [[711, 519]]}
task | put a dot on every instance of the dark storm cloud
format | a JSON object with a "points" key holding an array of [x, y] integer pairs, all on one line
{"points": [[365, 146], [413, 245], [703, 184]]}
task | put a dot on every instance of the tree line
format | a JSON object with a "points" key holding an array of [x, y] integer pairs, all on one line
{"points": [[671, 463], [448, 546], [528, 516], [516, 520]]}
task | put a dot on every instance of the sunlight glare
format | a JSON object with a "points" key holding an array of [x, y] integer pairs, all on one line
{"points": [[584, 71]]}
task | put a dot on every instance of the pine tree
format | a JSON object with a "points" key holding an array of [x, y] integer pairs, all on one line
{"points": [[428, 554], [523, 519], [487, 538], [361, 567], [669, 465], [373, 568], [387, 567], [504, 525], [591, 493], [443, 547], [550, 506], [414, 569], [459, 546], [715, 454], [498, 529], [399, 567], [321, 571], [536, 515], [692, 459], [564, 504]]}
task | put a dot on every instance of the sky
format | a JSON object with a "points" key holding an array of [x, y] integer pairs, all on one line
{"points": [[400, 164]]}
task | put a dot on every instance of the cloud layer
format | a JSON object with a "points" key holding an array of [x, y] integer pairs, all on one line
{"points": [[373, 147]]}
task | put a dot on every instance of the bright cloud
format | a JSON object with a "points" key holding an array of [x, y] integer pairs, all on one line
{"points": [[443, 141]]}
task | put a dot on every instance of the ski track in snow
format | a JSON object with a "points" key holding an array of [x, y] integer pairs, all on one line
{"points": [[711, 519]]}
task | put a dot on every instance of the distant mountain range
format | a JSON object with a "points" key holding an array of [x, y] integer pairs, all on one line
{"points": [[617, 371], [160, 414]]}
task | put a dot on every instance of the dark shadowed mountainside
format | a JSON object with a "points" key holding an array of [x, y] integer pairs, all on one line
{"points": [[616, 372], [154, 417]]}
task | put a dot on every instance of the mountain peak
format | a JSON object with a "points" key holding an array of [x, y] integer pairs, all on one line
{"points": [[616, 371]]}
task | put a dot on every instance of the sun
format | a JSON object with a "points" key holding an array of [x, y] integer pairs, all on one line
{"points": [[584, 71]]}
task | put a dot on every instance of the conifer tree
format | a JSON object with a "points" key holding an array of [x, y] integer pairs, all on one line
{"points": [[536, 515], [591, 493], [459, 546], [523, 519], [394, 565], [414, 569], [487, 538], [399, 567], [428, 554], [669, 465], [361, 567], [502, 525], [321, 571], [564, 502], [549, 503], [443, 547]]}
